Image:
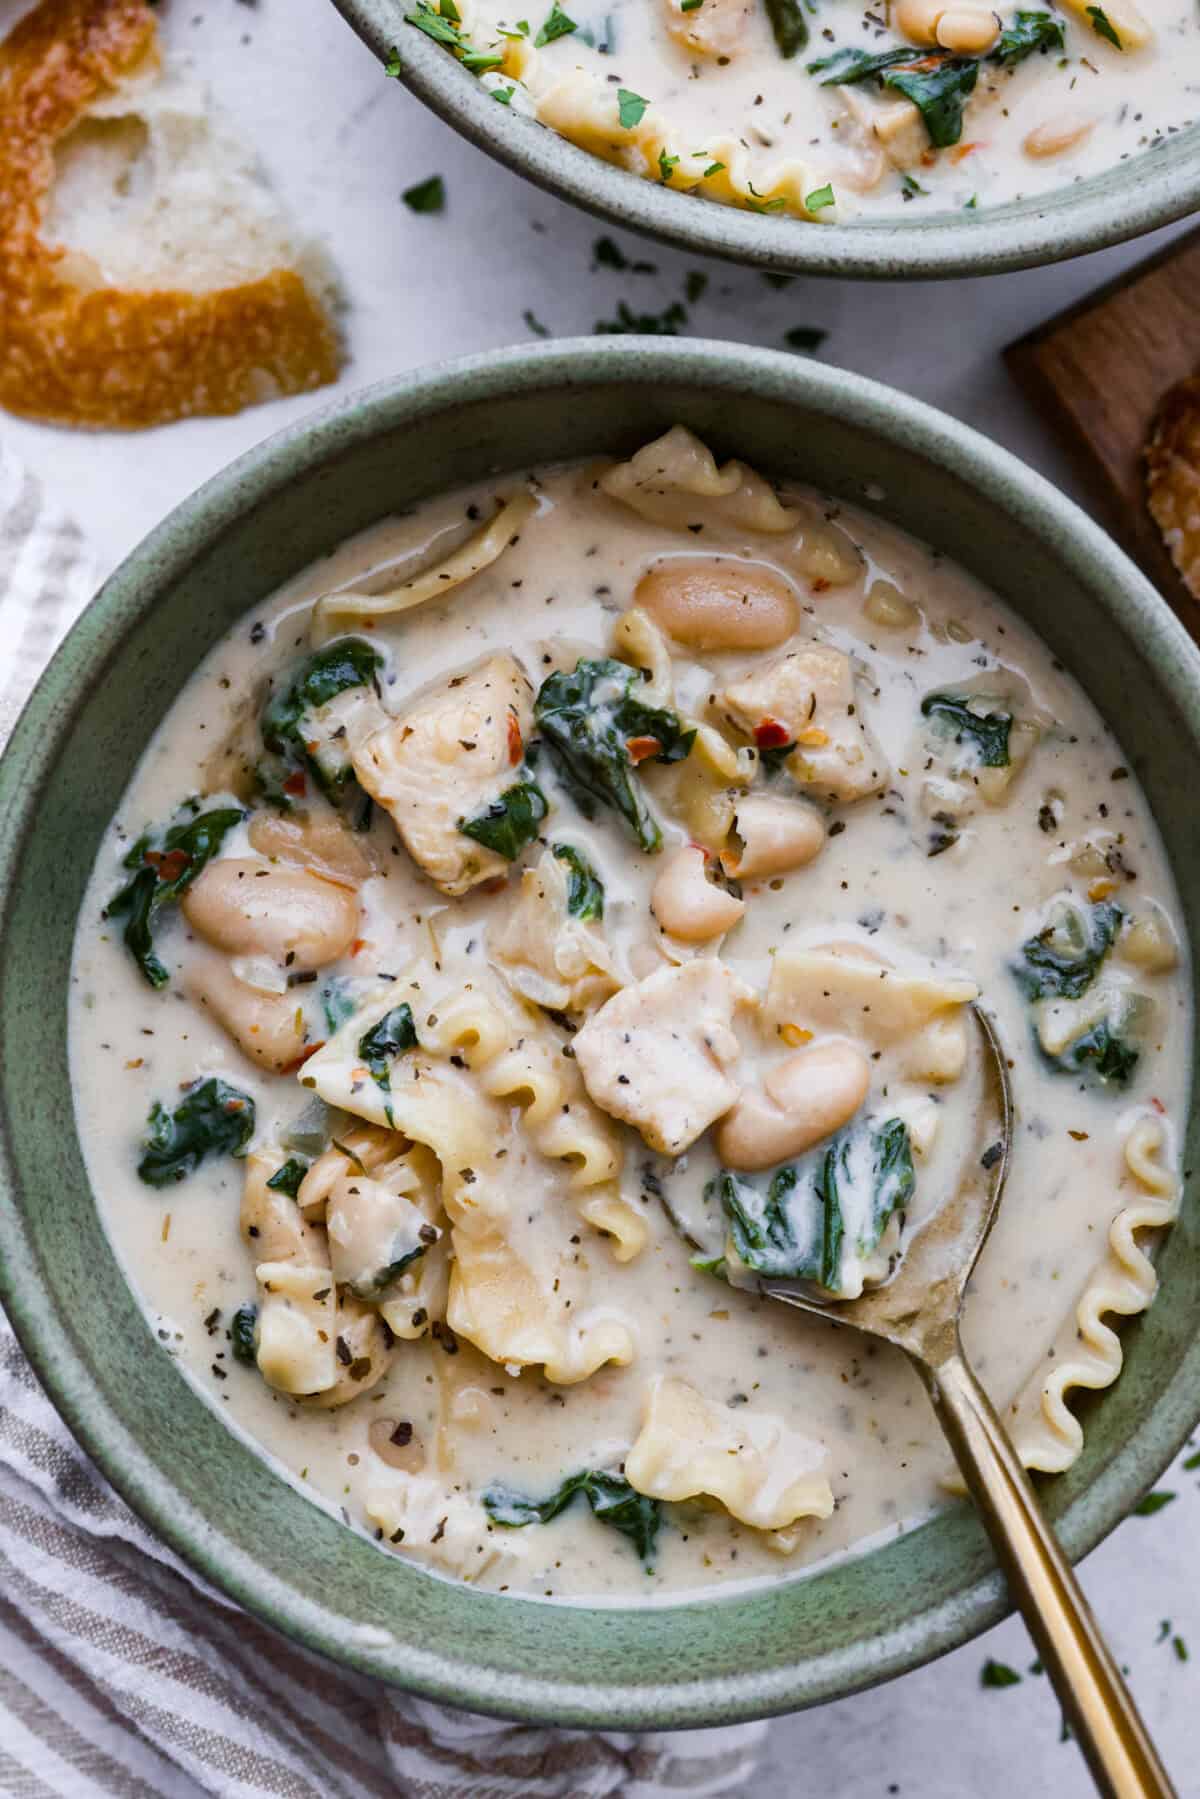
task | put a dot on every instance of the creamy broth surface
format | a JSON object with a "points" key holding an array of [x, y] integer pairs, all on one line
{"points": [[976, 106], [935, 877]]}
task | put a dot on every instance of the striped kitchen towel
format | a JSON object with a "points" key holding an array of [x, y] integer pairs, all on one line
{"points": [[123, 1674]]}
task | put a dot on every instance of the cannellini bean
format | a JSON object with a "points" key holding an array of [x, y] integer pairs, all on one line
{"points": [[719, 602], [827, 556], [805, 1098], [319, 841], [885, 605], [968, 30], [687, 904], [917, 20], [1149, 942], [363, 1353], [771, 836], [246, 909], [268, 1028], [1056, 136], [271, 1221]]}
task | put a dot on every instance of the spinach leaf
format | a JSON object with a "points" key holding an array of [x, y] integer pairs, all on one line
{"points": [[937, 83], [391, 1037], [337, 1002], [511, 821], [1028, 32], [939, 88], [288, 728], [585, 889], [1100, 1051], [213, 1118], [241, 1333], [797, 1230], [1063, 959], [987, 733], [166, 868], [288, 1178], [789, 25], [610, 1496], [846, 65], [598, 731]]}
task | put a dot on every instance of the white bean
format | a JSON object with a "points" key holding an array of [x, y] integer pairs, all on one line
{"points": [[917, 20], [319, 841], [687, 904], [719, 602], [805, 1098], [268, 1028], [772, 836], [247, 909], [1056, 136], [1149, 942], [885, 605], [968, 30]]}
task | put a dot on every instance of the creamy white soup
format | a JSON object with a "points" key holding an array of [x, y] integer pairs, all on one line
{"points": [[563, 907], [833, 112]]}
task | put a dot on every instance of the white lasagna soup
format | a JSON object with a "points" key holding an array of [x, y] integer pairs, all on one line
{"points": [[563, 908], [832, 112]]}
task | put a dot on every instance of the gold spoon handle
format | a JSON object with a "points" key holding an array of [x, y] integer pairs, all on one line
{"points": [[1094, 1697]]}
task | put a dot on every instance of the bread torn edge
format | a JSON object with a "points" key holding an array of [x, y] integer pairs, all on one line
{"points": [[107, 357], [1171, 461]]}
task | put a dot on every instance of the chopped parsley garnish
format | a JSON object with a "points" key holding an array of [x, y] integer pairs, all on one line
{"points": [[690, 5], [585, 889], [556, 25], [804, 337], [1103, 27], [630, 108], [503, 94], [986, 733], [534, 324], [998, 1674], [212, 1118], [912, 189], [443, 29], [426, 196], [694, 284], [598, 731], [288, 1179], [511, 822], [1153, 1502], [714, 168], [788, 24], [291, 719], [667, 166], [643, 324], [613, 1501], [165, 868], [379, 1047], [820, 198]]}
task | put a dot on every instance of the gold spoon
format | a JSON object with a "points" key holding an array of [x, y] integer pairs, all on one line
{"points": [[918, 1310]]}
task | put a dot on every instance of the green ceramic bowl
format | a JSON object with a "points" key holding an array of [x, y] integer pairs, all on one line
{"points": [[1123, 202], [74, 750]]}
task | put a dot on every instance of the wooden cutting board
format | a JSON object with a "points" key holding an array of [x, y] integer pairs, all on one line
{"points": [[1098, 371]]}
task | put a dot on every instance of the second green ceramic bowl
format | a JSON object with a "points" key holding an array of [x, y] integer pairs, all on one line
{"points": [[1123, 202], [204, 1490]]}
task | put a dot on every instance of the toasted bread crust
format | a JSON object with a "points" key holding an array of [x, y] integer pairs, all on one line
{"points": [[106, 357], [1172, 457]]}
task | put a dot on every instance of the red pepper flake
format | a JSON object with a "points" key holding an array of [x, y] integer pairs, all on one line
{"points": [[516, 746], [642, 748], [820, 584], [296, 784], [235, 1105], [359, 943], [770, 734], [172, 865], [1158, 1106], [302, 1058]]}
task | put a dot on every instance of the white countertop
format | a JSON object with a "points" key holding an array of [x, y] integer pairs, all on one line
{"points": [[342, 143]]}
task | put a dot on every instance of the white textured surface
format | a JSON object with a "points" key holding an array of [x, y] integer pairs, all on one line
{"points": [[342, 143]]}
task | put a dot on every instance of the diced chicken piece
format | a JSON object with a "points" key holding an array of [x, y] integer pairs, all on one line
{"points": [[808, 698], [550, 957], [445, 761], [416, 1514], [658, 1055], [718, 29], [297, 1330]]}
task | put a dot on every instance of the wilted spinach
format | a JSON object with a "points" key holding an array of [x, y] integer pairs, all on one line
{"points": [[390, 1037], [610, 1496], [986, 732], [585, 889], [241, 1333], [599, 731], [289, 730], [1028, 32], [288, 1178], [213, 1118], [511, 821], [1063, 959], [166, 864]]}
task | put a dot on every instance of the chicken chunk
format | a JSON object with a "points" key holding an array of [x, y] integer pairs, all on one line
{"points": [[658, 1055], [445, 761], [807, 698]]}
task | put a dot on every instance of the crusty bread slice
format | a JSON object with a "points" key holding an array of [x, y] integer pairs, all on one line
{"points": [[146, 272]]}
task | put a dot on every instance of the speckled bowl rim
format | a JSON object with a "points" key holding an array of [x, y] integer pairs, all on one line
{"points": [[1123, 202], [92, 653]]}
